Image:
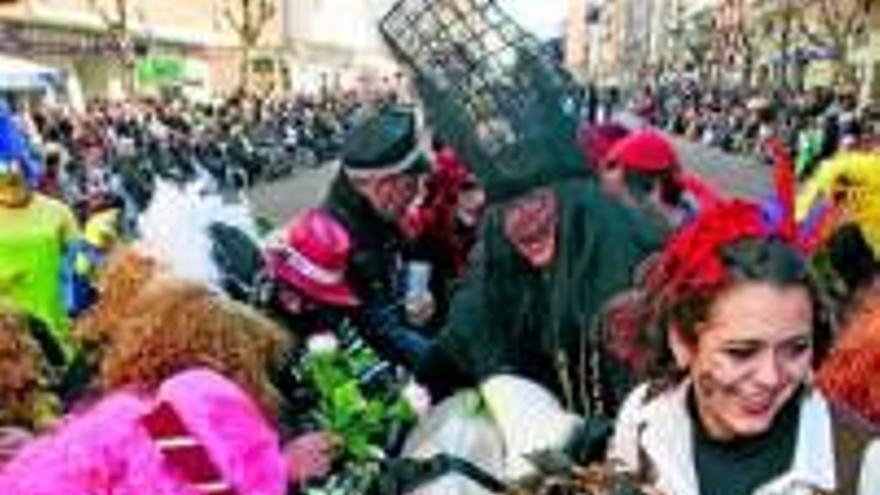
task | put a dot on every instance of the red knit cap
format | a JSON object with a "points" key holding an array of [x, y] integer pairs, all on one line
{"points": [[644, 151]]}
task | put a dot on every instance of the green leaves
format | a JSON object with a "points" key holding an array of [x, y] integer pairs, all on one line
{"points": [[345, 409]]}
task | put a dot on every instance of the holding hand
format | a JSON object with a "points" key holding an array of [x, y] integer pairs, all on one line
{"points": [[309, 457]]}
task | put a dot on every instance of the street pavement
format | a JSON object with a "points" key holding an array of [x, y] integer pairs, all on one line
{"points": [[280, 200], [735, 176]]}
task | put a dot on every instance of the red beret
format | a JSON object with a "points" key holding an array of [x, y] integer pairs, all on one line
{"points": [[644, 151]]}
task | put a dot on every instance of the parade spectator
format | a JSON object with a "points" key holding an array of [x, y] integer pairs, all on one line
{"points": [[307, 267], [846, 188], [441, 225], [644, 172], [546, 251], [382, 160], [848, 376], [731, 409], [36, 231]]}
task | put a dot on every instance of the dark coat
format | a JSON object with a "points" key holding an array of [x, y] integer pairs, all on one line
{"points": [[374, 269], [509, 317]]}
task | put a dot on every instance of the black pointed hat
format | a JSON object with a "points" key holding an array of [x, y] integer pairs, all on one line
{"points": [[490, 89]]}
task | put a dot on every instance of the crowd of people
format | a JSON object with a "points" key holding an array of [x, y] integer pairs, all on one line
{"points": [[119, 145], [814, 123], [607, 323]]}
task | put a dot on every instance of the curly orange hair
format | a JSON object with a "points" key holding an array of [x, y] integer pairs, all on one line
{"points": [[148, 325], [850, 373], [178, 325], [119, 284]]}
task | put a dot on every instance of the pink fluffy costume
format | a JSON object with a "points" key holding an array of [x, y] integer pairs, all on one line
{"points": [[199, 435]]}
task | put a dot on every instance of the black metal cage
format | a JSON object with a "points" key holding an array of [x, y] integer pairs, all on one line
{"points": [[490, 88]]}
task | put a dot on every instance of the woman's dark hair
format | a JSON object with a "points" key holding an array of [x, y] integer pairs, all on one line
{"points": [[641, 184], [852, 258], [768, 260]]}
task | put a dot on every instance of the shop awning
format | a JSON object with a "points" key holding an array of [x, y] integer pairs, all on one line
{"points": [[160, 70], [18, 74]]}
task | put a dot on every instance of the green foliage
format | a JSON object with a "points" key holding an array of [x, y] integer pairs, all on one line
{"points": [[345, 409]]}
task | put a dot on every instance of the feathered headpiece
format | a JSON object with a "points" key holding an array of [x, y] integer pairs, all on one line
{"points": [[692, 260]]}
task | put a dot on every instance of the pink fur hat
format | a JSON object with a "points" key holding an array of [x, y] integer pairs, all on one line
{"points": [[110, 449]]}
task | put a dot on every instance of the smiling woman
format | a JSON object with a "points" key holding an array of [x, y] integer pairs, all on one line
{"points": [[732, 410]]}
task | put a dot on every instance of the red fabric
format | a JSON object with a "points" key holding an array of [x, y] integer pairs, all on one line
{"points": [[435, 217], [644, 151], [191, 463], [596, 142], [784, 180], [690, 262], [705, 195]]}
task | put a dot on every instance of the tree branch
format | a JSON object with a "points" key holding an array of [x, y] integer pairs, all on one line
{"points": [[237, 26], [103, 14]]}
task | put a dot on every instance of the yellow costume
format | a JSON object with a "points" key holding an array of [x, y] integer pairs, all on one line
{"points": [[851, 181], [33, 238]]}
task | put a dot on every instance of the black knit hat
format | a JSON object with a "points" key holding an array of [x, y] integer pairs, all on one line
{"points": [[491, 90], [384, 143]]}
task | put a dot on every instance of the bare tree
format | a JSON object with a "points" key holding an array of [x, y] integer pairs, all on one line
{"points": [[117, 19], [697, 40], [746, 43], [783, 34], [837, 27], [249, 19]]}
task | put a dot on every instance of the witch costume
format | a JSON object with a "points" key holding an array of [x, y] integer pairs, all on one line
{"points": [[509, 111]]}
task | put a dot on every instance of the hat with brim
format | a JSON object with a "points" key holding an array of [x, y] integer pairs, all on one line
{"points": [[313, 257], [385, 143]]}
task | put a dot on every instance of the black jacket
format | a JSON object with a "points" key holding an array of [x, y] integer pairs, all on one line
{"points": [[375, 274]]}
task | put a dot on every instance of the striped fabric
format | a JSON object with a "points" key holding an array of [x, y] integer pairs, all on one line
{"points": [[182, 452]]}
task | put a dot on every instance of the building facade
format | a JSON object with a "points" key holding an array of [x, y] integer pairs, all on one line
{"points": [[335, 45], [802, 43], [101, 58]]}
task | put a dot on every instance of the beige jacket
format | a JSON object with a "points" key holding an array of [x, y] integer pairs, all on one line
{"points": [[660, 428]]}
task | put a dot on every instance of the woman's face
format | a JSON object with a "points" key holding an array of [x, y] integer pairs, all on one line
{"points": [[14, 190], [750, 357], [530, 224], [392, 195], [293, 301]]}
